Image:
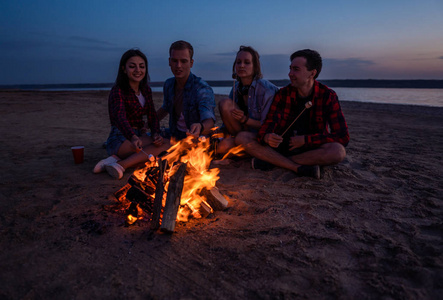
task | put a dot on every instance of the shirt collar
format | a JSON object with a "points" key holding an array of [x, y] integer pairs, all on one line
{"points": [[189, 82]]}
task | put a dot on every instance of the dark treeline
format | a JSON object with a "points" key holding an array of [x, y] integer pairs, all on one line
{"points": [[346, 83], [378, 83], [358, 83]]}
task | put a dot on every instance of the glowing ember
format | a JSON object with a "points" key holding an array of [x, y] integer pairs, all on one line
{"points": [[130, 219]]}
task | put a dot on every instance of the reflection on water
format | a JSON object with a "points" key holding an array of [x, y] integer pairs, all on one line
{"points": [[426, 97]]}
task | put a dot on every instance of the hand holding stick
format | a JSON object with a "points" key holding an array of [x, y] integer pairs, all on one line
{"points": [[307, 106]]}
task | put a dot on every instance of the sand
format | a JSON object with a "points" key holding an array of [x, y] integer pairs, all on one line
{"points": [[370, 228]]}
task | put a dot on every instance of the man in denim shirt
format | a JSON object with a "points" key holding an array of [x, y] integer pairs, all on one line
{"points": [[188, 99]]}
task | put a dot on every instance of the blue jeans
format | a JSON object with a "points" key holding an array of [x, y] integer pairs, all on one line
{"points": [[116, 139]]}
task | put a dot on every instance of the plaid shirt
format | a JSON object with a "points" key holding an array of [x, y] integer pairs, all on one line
{"points": [[326, 121], [126, 113]]}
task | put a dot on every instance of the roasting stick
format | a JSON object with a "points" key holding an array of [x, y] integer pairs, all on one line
{"points": [[234, 75], [151, 157], [307, 106]]}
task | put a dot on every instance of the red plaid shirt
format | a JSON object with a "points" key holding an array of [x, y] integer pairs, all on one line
{"points": [[126, 113], [325, 111]]}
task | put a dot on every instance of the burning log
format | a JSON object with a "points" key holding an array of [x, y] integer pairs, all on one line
{"points": [[138, 196], [120, 195], [204, 209], [148, 183], [159, 190], [215, 199], [173, 199]]}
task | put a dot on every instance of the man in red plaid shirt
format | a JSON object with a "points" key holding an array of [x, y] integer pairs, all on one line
{"points": [[319, 135]]}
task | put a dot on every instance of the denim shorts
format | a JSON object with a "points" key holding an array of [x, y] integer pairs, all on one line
{"points": [[116, 139]]}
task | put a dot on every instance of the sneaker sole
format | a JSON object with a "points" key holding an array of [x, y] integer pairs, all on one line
{"points": [[113, 172]]}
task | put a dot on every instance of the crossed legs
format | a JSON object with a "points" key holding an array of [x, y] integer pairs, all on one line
{"points": [[326, 154]]}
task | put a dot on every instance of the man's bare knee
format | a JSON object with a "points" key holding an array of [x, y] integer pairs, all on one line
{"points": [[337, 152]]}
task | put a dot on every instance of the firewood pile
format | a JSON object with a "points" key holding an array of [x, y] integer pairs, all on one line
{"points": [[156, 191]]}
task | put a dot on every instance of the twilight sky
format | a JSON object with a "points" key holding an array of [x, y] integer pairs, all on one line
{"points": [[79, 41]]}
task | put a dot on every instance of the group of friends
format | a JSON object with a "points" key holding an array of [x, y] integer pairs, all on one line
{"points": [[299, 127]]}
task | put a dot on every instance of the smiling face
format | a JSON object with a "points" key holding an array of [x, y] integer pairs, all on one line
{"points": [[244, 67], [299, 74], [181, 63], [135, 69]]}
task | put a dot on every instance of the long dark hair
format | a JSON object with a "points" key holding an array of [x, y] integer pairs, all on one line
{"points": [[122, 78], [255, 61]]}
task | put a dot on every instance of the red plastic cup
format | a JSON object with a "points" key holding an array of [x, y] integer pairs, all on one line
{"points": [[78, 153]]}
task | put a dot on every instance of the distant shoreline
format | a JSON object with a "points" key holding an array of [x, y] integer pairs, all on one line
{"points": [[346, 83]]}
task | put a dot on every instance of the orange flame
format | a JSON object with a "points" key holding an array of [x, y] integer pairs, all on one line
{"points": [[130, 219], [194, 152], [236, 151]]}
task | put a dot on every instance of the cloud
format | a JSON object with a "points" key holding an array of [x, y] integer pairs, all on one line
{"points": [[347, 68], [86, 40], [348, 62], [275, 66], [37, 45], [13, 44], [47, 70], [96, 48], [81, 42], [441, 57]]}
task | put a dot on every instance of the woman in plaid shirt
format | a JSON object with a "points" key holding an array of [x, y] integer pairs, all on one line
{"points": [[130, 99]]}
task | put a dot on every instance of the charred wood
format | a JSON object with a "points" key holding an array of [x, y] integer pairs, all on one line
{"points": [[136, 195], [159, 191], [173, 199], [215, 199]]}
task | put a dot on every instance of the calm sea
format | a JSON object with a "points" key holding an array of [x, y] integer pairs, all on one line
{"points": [[422, 96], [425, 97]]}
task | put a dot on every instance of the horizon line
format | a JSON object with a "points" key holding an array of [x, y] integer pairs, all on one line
{"points": [[208, 80]]}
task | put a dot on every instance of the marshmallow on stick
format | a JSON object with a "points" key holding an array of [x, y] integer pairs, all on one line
{"points": [[307, 106], [150, 156]]}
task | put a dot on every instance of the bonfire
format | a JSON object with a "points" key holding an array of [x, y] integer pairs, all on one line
{"points": [[175, 187]]}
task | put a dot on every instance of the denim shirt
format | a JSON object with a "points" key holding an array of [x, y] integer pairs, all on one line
{"points": [[260, 96], [198, 102]]}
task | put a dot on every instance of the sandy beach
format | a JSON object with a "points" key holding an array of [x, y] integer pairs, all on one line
{"points": [[370, 228]]}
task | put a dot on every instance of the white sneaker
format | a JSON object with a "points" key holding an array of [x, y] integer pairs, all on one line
{"points": [[115, 170], [100, 166]]}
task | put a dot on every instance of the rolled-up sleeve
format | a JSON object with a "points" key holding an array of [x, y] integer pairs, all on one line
{"points": [[206, 104]]}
